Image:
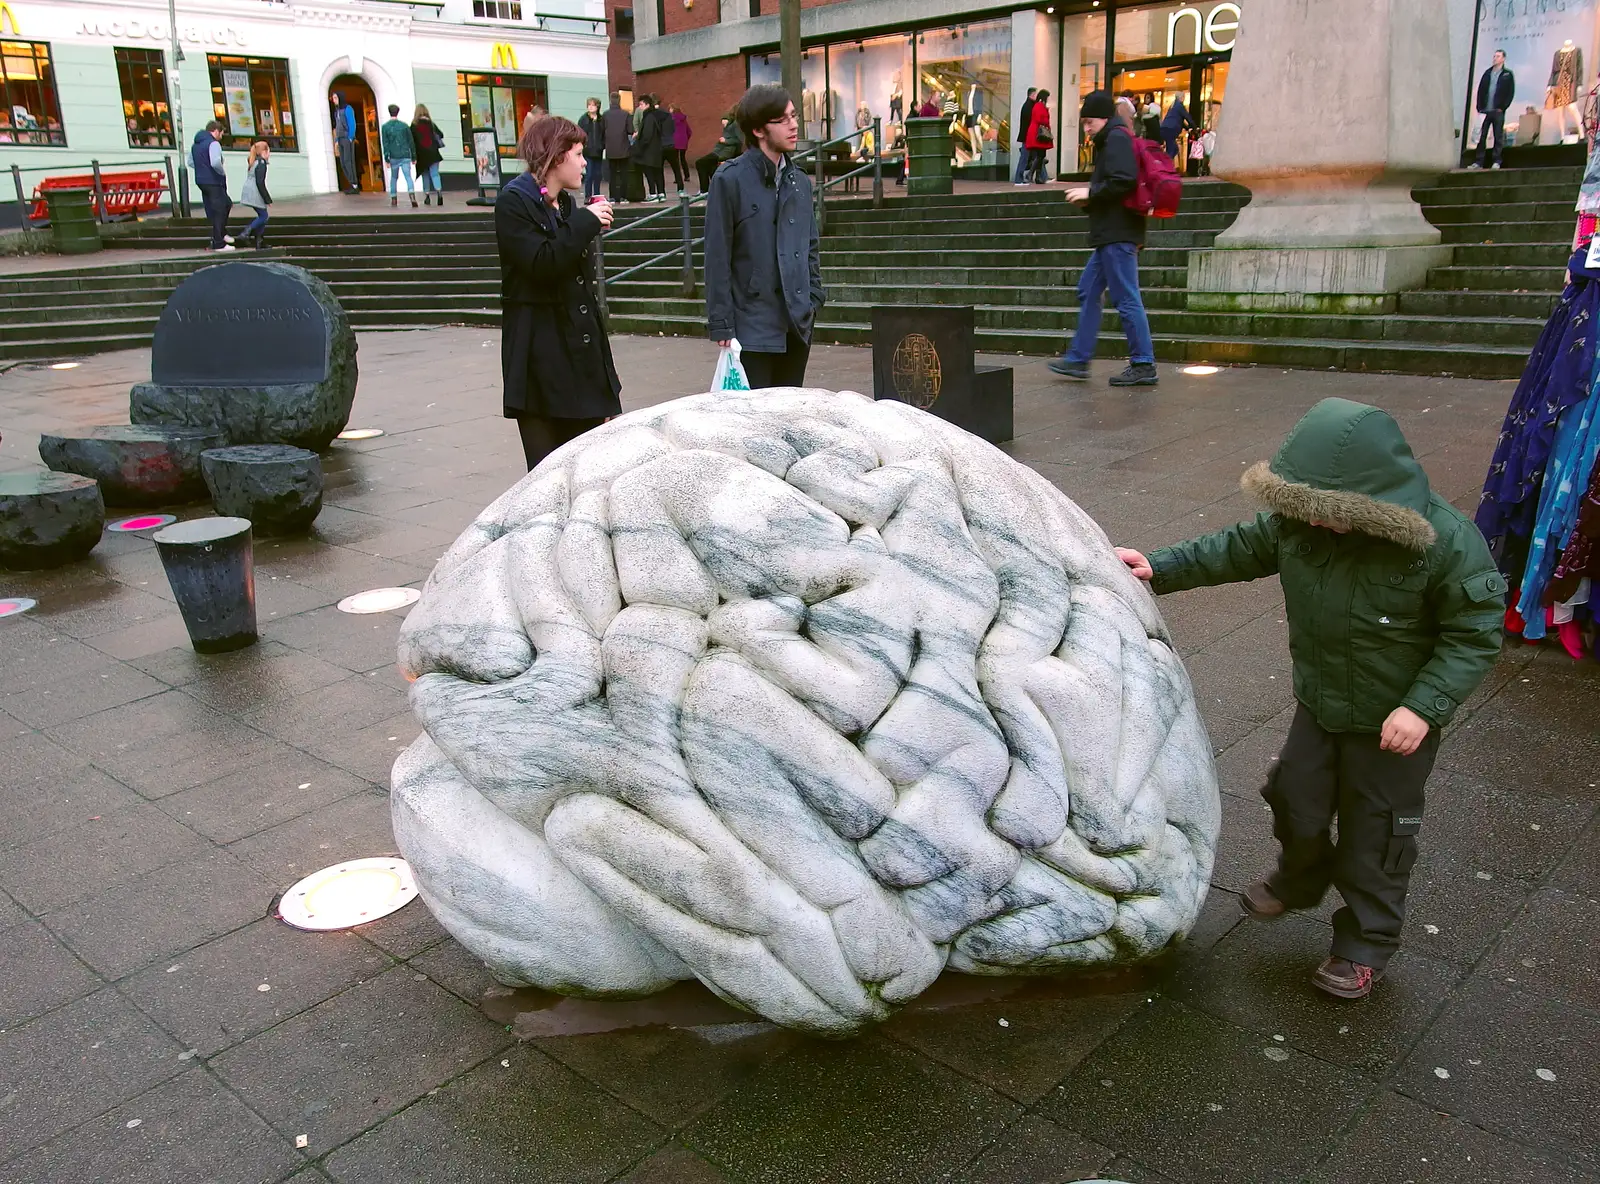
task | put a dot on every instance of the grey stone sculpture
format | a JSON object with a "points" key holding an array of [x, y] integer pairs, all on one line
{"points": [[136, 465], [276, 486], [808, 697], [261, 351]]}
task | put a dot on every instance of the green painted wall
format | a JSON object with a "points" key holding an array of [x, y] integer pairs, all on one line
{"points": [[569, 92]]}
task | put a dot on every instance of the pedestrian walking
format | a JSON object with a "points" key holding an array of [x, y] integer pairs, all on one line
{"points": [[425, 134], [592, 124], [1395, 613], [728, 147], [1496, 88], [206, 157], [763, 272], [344, 141], [650, 147], [253, 192], [930, 106], [682, 133], [618, 135], [1021, 173], [1174, 124], [555, 360], [1116, 234], [1040, 138], [1208, 141], [398, 151]]}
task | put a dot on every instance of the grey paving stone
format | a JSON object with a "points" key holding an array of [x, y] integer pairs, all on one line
{"points": [[119, 729], [1452, 912], [1493, 746], [326, 713], [352, 641], [355, 827], [1195, 1097], [74, 1063], [282, 786], [519, 1117], [1034, 1149], [250, 678], [36, 652], [1548, 950], [1473, 825], [455, 969], [1259, 978], [95, 855], [161, 767], [1492, 1040], [93, 605], [163, 913], [38, 973], [47, 789], [346, 1065], [1398, 1141], [370, 753], [405, 933], [187, 1131], [864, 1110], [210, 997], [10, 912], [78, 695], [673, 1164], [1580, 870], [1246, 850]]}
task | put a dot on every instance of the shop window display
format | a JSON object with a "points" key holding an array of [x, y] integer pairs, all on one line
{"points": [[867, 81], [499, 101], [1549, 51], [30, 111], [142, 75], [968, 69], [1088, 32], [815, 105], [250, 97]]}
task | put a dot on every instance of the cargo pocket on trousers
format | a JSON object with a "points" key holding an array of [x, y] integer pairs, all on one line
{"points": [[1402, 850]]}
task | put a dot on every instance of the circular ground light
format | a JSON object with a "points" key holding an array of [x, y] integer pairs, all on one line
{"points": [[14, 606], [348, 894], [360, 433], [142, 522], [379, 600], [1201, 371], [65, 365]]}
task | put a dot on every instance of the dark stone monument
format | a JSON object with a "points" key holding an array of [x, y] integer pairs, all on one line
{"points": [[277, 486], [47, 519], [262, 352], [922, 355], [136, 465], [210, 563]]}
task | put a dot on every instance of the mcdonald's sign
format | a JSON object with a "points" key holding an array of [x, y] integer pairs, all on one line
{"points": [[502, 57], [7, 17]]}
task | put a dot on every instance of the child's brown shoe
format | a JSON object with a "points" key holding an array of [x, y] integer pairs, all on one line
{"points": [[1260, 903], [1345, 979]]}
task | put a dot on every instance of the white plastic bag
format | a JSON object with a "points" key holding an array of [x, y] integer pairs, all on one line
{"points": [[729, 374]]}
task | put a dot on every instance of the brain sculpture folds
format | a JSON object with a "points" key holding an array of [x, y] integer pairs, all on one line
{"points": [[808, 697]]}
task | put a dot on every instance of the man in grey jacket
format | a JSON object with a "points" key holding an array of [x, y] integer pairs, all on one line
{"points": [[763, 271]]}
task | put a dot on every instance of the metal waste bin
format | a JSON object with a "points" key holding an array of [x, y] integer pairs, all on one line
{"points": [[72, 223]]}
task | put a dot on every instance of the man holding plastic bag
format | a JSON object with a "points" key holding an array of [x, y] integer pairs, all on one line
{"points": [[763, 271]]}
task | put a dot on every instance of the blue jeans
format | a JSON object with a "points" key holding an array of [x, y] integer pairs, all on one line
{"points": [[1114, 266], [593, 166], [258, 223], [1497, 121], [430, 179], [397, 169], [1022, 164]]}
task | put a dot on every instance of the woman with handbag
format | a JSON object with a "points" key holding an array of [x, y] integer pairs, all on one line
{"points": [[429, 142], [555, 362], [1039, 139]]}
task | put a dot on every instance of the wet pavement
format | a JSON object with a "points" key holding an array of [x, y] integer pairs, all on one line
{"points": [[156, 1025]]}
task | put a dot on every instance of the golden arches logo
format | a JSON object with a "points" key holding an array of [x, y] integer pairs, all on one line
{"points": [[503, 56], [7, 17]]}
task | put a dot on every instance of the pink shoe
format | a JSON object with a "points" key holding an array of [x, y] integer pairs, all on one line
{"points": [[1571, 638]]}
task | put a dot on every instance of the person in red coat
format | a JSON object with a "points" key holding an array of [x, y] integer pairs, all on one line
{"points": [[1038, 140]]}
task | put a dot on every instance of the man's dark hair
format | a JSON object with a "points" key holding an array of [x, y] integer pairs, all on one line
{"points": [[214, 126], [394, 109], [1044, 96], [616, 98], [1032, 90], [760, 106]]}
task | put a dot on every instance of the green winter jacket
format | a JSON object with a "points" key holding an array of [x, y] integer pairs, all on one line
{"points": [[1406, 609], [397, 141]]}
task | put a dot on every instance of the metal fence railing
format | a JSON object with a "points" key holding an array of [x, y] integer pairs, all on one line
{"points": [[104, 198]]}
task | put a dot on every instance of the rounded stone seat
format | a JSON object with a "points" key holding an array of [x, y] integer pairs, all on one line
{"points": [[277, 486], [48, 519], [135, 464]]}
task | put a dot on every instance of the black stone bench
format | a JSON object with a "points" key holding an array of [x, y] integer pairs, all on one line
{"points": [[136, 464], [47, 519], [276, 486]]}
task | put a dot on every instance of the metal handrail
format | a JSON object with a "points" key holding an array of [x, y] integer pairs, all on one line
{"points": [[661, 258]]}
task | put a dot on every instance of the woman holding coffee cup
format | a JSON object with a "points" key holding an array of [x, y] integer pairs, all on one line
{"points": [[555, 361]]}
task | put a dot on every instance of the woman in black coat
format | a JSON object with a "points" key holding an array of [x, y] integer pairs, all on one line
{"points": [[555, 361]]}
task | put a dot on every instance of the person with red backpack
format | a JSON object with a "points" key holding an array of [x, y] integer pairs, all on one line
{"points": [[1116, 233]]}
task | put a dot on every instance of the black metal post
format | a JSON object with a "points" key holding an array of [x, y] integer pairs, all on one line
{"points": [[1472, 67], [22, 199], [822, 177], [99, 193], [172, 192], [183, 188], [600, 281], [688, 246], [877, 162]]}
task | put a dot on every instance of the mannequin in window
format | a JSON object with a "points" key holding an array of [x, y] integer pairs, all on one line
{"points": [[897, 102], [1566, 75]]}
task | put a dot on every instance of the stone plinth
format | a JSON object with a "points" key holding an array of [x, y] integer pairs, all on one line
{"points": [[928, 157], [1331, 213], [48, 519], [804, 695], [136, 465], [276, 486], [261, 352]]}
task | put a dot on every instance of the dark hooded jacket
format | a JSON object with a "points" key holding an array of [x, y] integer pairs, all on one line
{"points": [[1115, 176], [1405, 610]]}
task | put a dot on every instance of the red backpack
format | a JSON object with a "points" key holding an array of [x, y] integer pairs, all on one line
{"points": [[1160, 189]]}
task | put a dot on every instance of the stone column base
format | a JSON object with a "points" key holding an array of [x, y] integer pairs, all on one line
{"points": [[1309, 279]]}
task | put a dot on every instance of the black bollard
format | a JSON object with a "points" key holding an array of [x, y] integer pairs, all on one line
{"points": [[211, 568]]}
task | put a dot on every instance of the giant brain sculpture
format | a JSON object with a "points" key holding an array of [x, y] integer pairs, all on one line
{"points": [[805, 696]]}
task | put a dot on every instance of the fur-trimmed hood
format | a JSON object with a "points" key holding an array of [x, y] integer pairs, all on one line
{"points": [[1348, 463]]}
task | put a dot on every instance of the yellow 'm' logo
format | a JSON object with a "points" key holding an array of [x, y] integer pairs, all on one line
{"points": [[503, 56], [7, 17]]}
